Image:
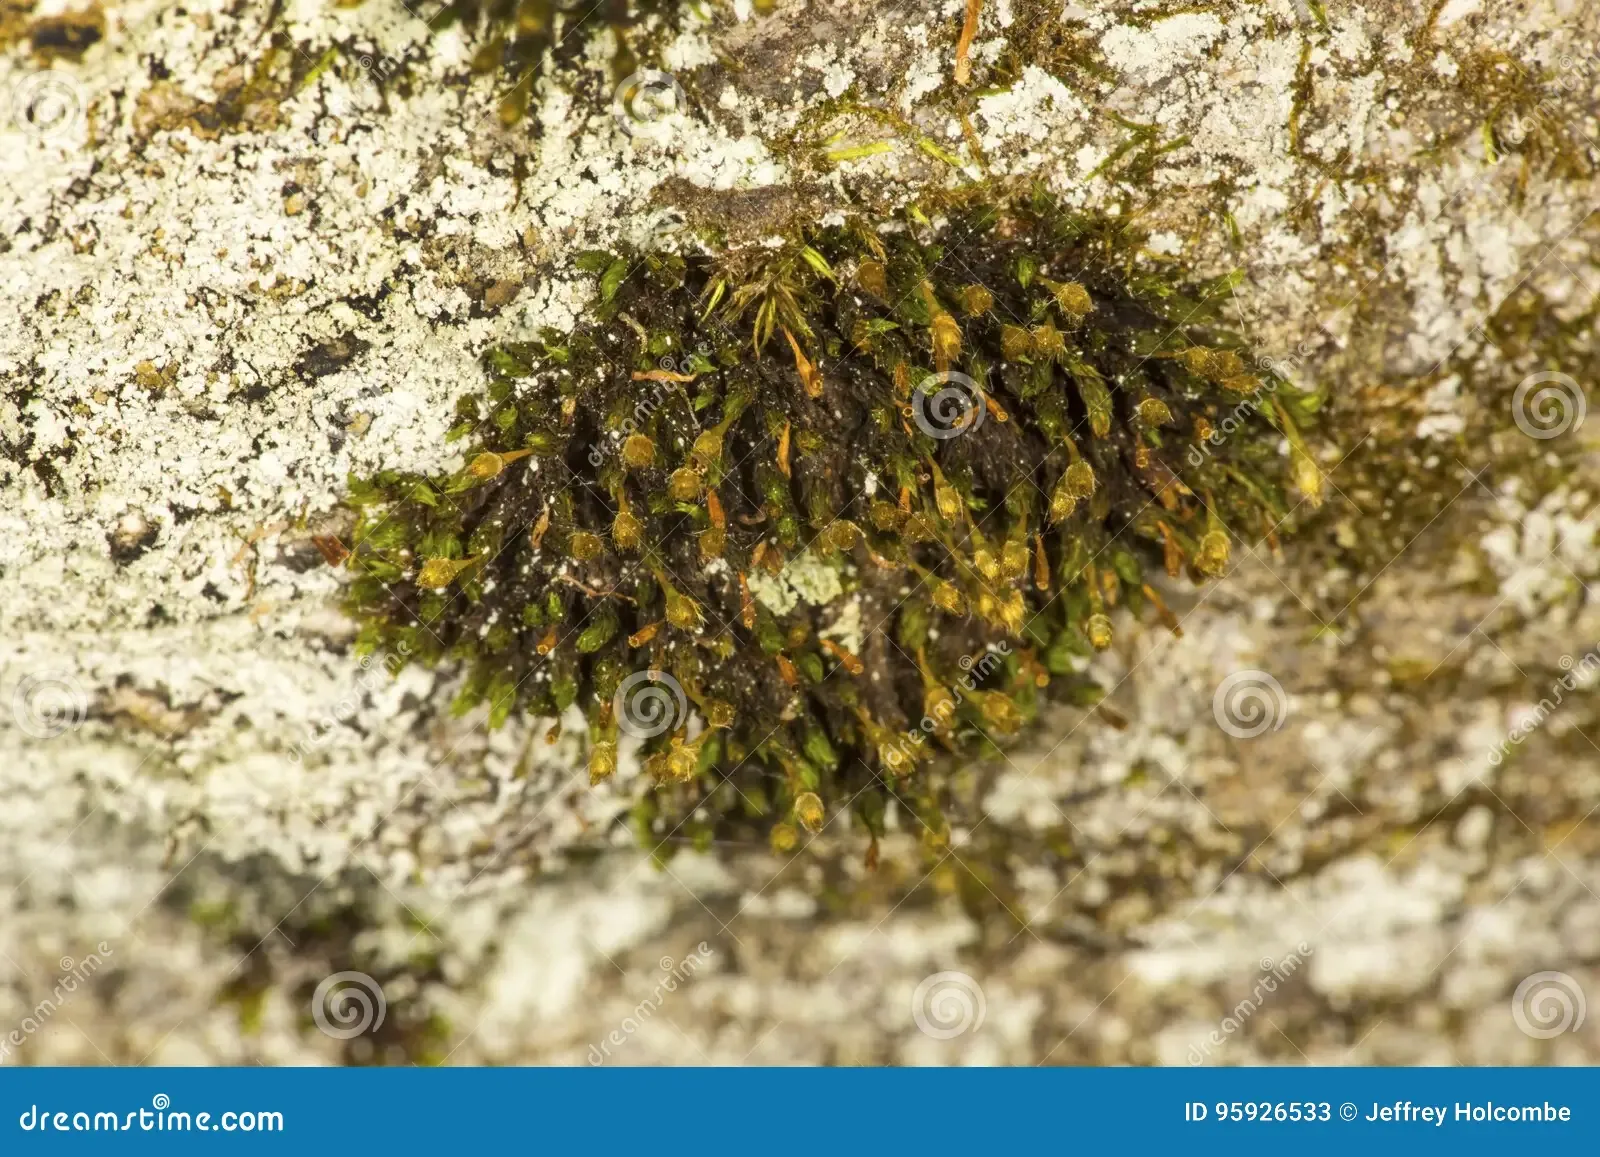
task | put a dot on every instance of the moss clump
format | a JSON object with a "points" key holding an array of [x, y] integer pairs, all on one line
{"points": [[514, 36], [798, 518]]}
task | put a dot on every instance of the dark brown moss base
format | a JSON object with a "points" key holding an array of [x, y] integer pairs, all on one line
{"points": [[984, 431]]}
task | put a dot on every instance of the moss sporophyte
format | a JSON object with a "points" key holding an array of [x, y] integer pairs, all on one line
{"points": [[800, 519]]}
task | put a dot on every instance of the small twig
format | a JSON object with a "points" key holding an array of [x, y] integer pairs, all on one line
{"points": [[969, 32], [593, 592]]}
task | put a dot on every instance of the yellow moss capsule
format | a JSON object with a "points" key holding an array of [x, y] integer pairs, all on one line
{"points": [[1098, 628], [873, 277], [945, 497], [1014, 558], [638, 452], [784, 837], [1154, 412], [841, 534], [1074, 299], [1000, 713], [584, 546], [976, 300], [1016, 343], [809, 811], [1048, 342], [720, 714], [602, 761], [1062, 502], [946, 341], [682, 611], [1224, 364], [1080, 479], [626, 530], [681, 762], [1212, 558], [438, 573], [1013, 612], [985, 563], [684, 485], [1307, 477], [947, 597], [707, 449]]}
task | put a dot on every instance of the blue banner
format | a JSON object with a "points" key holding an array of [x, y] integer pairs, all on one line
{"points": [[782, 1111]]}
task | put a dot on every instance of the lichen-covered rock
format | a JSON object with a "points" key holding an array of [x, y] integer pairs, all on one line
{"points": [[245, 261]]}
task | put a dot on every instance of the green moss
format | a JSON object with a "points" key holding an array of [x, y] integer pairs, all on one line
{"points": [[513, 37], [982, 435]]}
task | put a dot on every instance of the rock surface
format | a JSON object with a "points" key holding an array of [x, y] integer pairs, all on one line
{"points": [[1341, 819]]}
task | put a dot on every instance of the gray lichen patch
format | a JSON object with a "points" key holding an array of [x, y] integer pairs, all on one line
{"points": [[224, 305]]}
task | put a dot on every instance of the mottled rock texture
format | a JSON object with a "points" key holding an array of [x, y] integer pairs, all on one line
{"points": [[247, 250]]}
